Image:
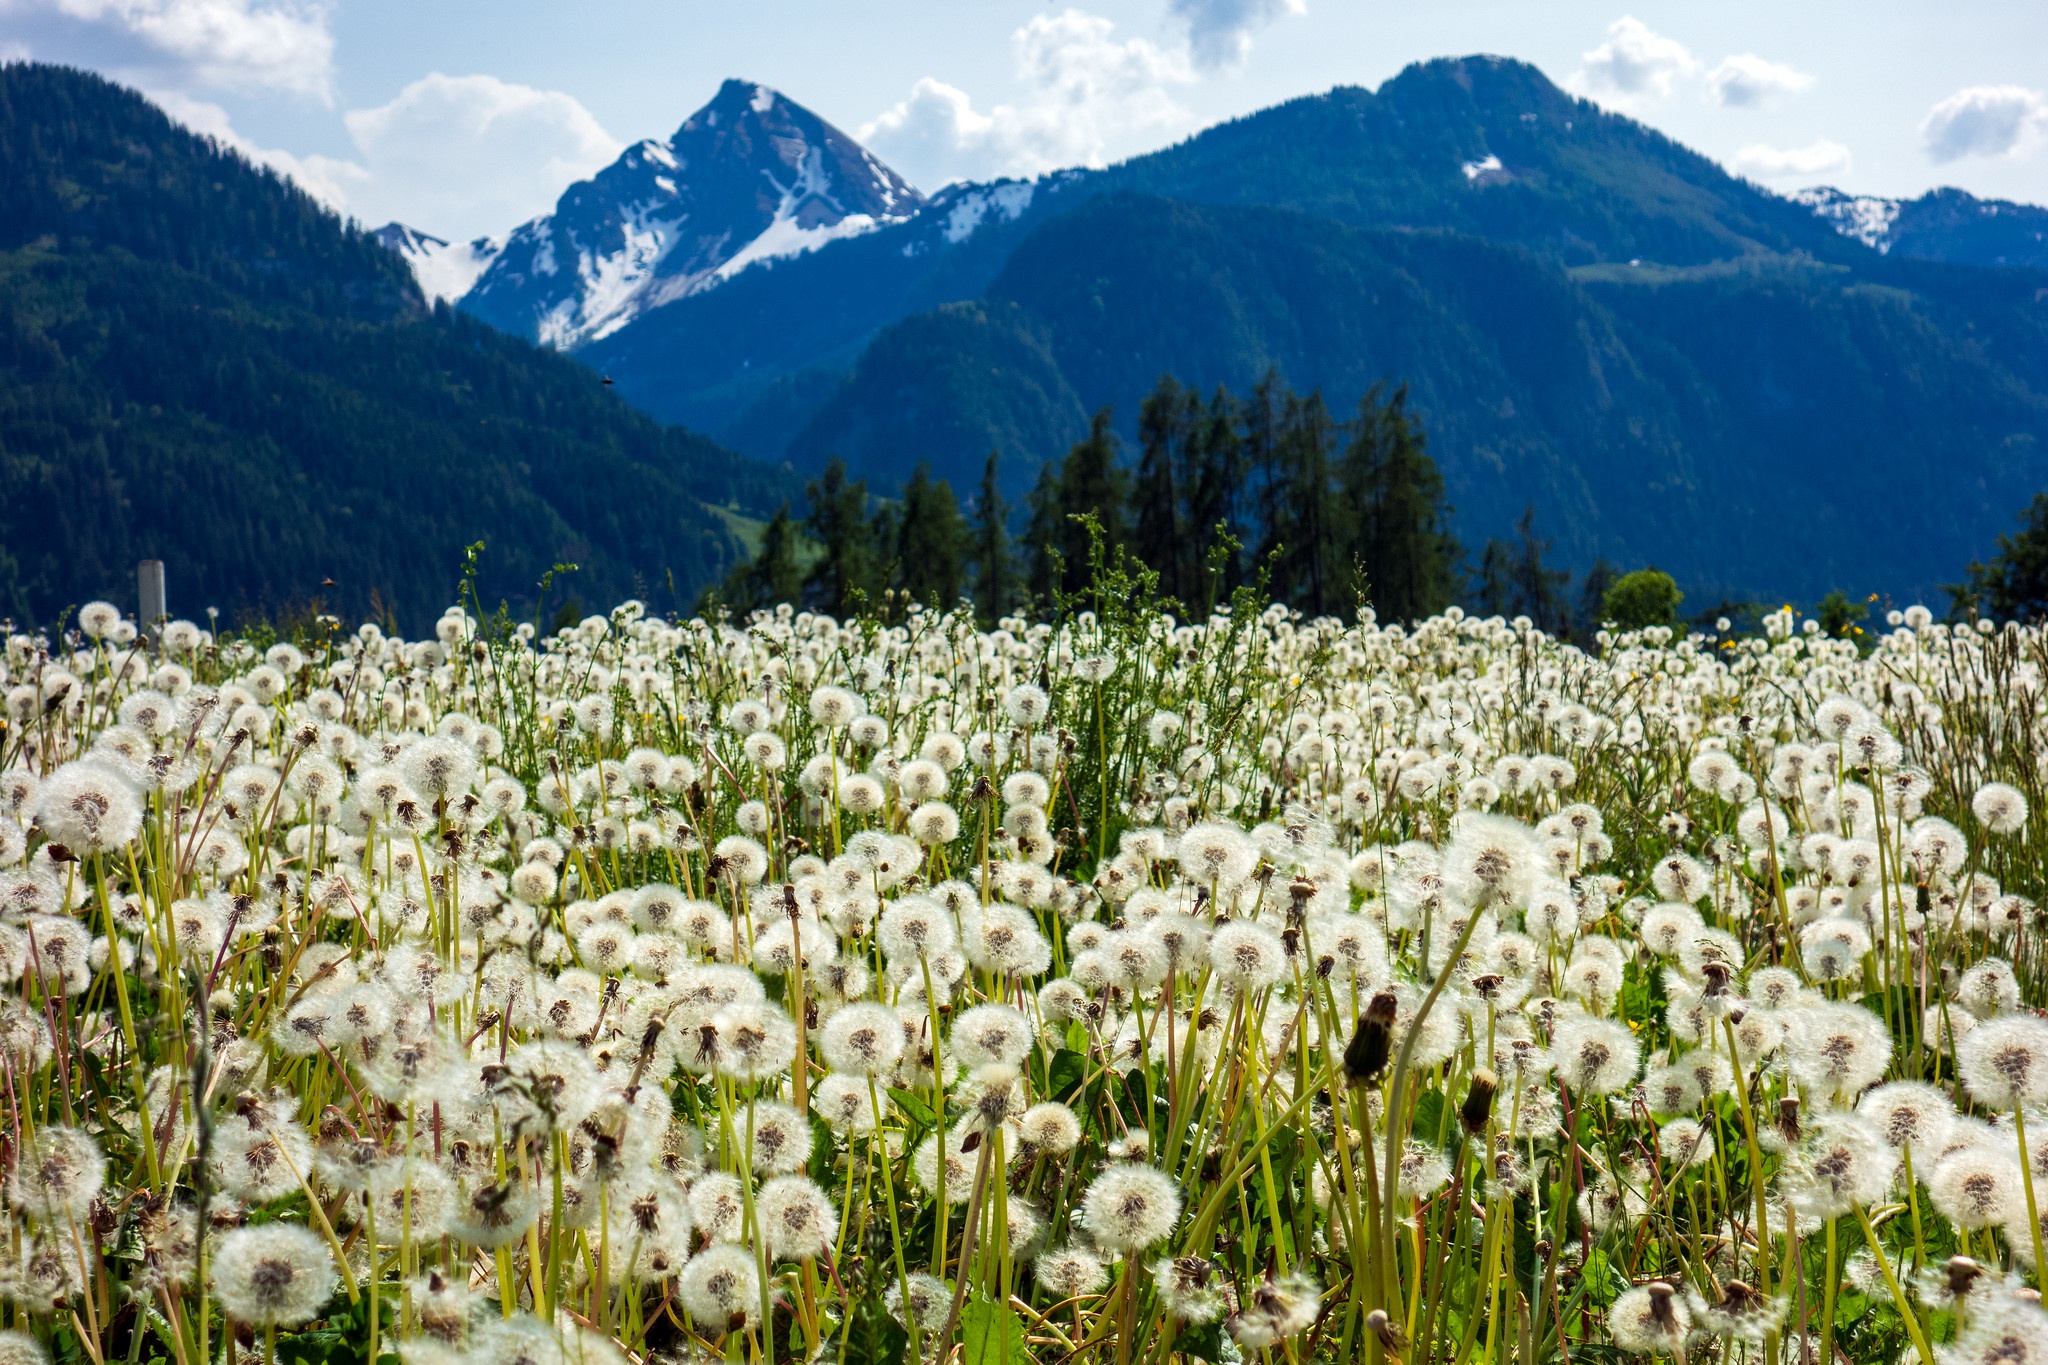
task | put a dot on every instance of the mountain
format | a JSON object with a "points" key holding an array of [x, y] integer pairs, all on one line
{"points": [[1747, 426], [201, 364], [749, 177], [1941, 225], [1671, 364], [1480, 145], [444, 270]]}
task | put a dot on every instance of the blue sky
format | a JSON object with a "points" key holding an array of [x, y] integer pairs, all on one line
{"points": [[465, 118]]}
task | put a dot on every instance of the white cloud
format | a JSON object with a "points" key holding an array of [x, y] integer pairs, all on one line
{"points": [[1220, 31], [11, 51], [458, 157], [1635, 66], [1084, 92], [325, 178], [1748, 81], [466, 156], [1821, 158], [1985, 120], [277, 45]]}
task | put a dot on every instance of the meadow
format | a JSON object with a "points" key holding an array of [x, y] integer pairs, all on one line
{"points": [[1121, 989]]}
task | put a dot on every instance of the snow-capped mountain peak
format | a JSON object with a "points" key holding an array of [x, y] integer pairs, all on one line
{"points": [[749, 177], [444, 269]]}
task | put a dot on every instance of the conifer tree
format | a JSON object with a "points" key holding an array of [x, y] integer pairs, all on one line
{"points": [[1260, 418], [995, 571], [847, 572], [1394, 494], [1514, 580], [774, 574], [931, 541], [1168, 422], [1090, 481], [1305, 538], [1044, 573], [1215, 494], [2013, 585]]}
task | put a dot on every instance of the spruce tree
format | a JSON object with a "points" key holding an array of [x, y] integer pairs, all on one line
{"points": [[995, 571], [1090, 482], [1514, 580], [1305, 537], [2014, 584], [1260, 419], [1043, 572], [773, 575], [846, 576], [777, 574], [1160, 533], [931, 541], [1394, 494], [1215, 495]]}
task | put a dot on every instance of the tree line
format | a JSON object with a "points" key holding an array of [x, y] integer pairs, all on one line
{"points": [[1220, 491]]}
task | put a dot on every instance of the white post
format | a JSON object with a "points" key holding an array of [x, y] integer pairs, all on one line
{"points": [[149, 586]]}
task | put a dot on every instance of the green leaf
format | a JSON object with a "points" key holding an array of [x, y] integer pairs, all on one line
{"points": [[1203, 1343], [875, 1338], [990, 1334], [1525, 1242], [920, 1113], [821, 1152], [1069, 1068], [1429, 1126]]}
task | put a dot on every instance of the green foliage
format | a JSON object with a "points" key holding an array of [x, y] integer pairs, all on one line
{"points": [[931, 542], [2013, 584], [994, 564], [1647, 597], [1514, 580], [1408, 557], [850, 567], [1841, 617], [991, 1333], [201, 365], [1089, 483]]}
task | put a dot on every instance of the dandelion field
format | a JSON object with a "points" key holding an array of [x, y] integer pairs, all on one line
{"points": [[1121, 990]]}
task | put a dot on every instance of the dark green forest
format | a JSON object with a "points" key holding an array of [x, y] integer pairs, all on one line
{"points": [[199, 363], [1269, 489]]}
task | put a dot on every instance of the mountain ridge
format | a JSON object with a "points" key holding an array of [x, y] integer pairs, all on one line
{"points": [[645, 230], [201, 364]]}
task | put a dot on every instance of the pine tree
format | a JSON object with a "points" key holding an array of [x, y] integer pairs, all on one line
{"points": [[995, 570], [1044, 573], [931, 542], [1514, 581], [2014, 584], [1167, 423], [773, 575], [1090, 483], [846, 576], [1215, 493], [1305, 537], [1260, 419], [1593, 600], [1394, 494]]}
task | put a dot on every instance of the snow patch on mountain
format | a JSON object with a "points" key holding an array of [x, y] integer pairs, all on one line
{"points": [[445, 270], [1003, 201], [1866, 217], [1487, 167]]}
